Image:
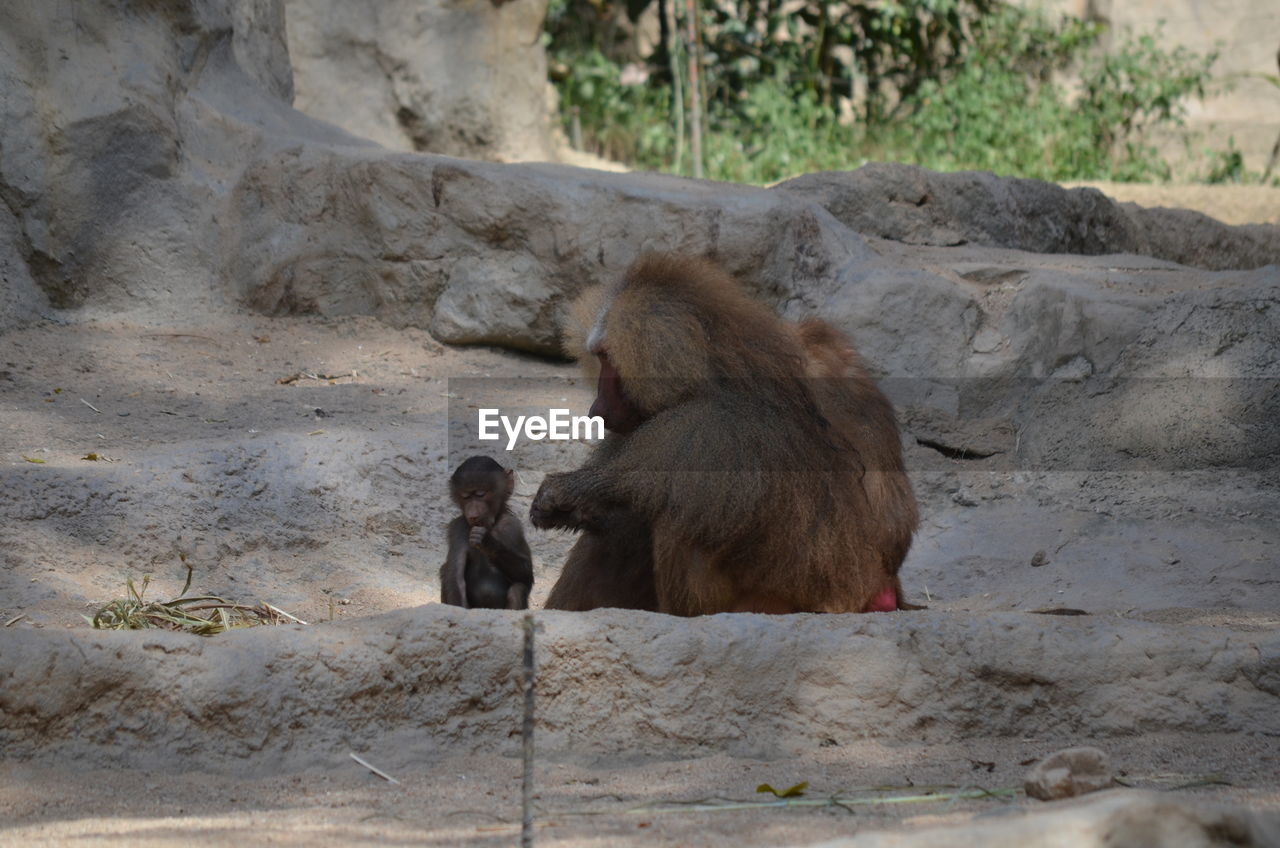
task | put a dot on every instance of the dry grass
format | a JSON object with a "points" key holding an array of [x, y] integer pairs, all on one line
{"points": [[203, 615]]}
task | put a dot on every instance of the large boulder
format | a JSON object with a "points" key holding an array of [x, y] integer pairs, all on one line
{"points": [[121, 129], [911, 204], [484, 253]]}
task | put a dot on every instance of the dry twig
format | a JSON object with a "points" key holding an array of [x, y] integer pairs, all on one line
{"points": [[304, 375], [379, 772], [526, 736]]}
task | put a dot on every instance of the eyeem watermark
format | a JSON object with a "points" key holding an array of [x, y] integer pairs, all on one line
{"points": [[1094, 423], [559, 425]]}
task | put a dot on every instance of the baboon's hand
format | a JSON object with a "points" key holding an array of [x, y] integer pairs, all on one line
{"points": [[477, 535], [552, 507]]}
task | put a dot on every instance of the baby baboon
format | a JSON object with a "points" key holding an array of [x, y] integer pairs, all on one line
{"points": [[488, 564], [765, 463]]}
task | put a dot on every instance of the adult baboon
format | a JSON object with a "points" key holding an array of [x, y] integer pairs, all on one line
{"points": [[764, 463]]}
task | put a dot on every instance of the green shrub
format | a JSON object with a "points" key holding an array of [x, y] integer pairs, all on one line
{"points": [[775, 132], [1227, 166], [1003, 112]]}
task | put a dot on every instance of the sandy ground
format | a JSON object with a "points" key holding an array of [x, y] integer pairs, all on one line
{"points": [[476, 800], [162, 404]]}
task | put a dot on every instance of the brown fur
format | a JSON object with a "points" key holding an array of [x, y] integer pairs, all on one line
{"points": [[609, 566], [576, 326], [767, 468]]}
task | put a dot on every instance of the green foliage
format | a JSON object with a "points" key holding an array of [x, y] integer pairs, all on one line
{"points": [[1003, 112], [886, 47], [802, 136], [949, 84], [627, 123], [1227, 166]]}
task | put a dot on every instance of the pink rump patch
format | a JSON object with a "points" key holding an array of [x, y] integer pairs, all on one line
{"points": [[886, 601]]}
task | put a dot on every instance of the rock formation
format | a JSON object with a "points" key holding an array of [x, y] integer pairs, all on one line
{"points": [[460, 79]]}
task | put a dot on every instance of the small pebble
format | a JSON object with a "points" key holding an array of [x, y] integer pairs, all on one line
{"points": [[1068, 773]]}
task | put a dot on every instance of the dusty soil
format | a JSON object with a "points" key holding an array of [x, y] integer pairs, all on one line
{"points": [[476, 800], [172, 405]]}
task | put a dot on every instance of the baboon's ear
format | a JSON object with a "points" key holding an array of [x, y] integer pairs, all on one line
{"points": [[511, 481]]}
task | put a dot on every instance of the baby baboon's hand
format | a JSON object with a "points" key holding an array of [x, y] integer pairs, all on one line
{"points": [[477, 535]]}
